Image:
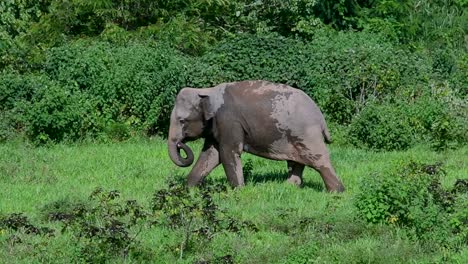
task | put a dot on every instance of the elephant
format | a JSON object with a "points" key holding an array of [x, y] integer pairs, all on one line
{"points": [[270, 120]]}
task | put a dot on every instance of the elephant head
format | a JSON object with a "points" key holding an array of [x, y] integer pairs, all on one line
{"points": [[189, 120]]}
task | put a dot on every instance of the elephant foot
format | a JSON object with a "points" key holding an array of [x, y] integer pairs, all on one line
{"points": [[294, 179], [338, 188]]}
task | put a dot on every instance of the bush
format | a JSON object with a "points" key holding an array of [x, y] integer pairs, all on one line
{"points": [[345, 71], [133, 84], [412, 197], [124, 86], [19, 222], [44, 109], [249, 57], [399, 124], [383, 127], [105, 228], [341, 71], [195, 214], [16, 93], [16, 88], [56, 113], [6, 126]]}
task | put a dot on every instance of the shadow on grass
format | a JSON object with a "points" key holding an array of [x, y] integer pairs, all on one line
{"points": [[279, 177], [276, 176]]}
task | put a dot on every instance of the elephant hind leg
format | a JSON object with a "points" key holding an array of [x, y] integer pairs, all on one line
{"points": [[322, 164], [295, 172]]}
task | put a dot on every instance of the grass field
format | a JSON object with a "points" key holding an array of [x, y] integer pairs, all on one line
{"points": [[293, 225]]}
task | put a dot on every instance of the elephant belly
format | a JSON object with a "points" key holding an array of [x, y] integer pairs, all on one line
{"points": [[278, 150]]}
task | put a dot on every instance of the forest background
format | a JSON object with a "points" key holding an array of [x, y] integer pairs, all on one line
{"points": [[390, 73]]}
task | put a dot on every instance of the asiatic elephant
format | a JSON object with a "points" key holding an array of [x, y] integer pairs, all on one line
{"points": [[270, 120]]}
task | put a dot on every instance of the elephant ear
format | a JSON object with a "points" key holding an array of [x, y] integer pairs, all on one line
{"points": [[206, 106]]}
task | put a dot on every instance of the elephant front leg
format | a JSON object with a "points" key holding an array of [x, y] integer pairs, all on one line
{"points": [[230, 157], [208, 160]]}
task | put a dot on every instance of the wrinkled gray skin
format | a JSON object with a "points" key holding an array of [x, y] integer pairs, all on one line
{"points": [[270, 120]]}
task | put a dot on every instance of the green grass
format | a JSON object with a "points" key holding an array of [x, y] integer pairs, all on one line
{"points": [[295, 224]]}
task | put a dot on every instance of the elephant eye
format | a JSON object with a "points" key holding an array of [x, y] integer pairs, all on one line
{"points": [[182, 121]]}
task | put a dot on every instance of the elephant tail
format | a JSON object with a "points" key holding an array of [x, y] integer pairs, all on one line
{"points": [[326, 134]]}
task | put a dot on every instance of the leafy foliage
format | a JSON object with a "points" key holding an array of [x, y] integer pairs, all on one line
{"points": [[20, 222], [340, 72], [412, 197], [345, 71], [118, 64], [16, 20], [411, 21], [105, 228], [382, 127], [247, 57], [56, 114], [132, 84], [399, 124], [16, 94], [195, 212]]}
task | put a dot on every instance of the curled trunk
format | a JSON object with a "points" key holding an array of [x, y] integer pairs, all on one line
{"points": [[176, 157]]}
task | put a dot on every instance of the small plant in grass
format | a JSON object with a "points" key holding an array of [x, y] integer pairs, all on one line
{"points": [[108, 227], [17, 231], [248, 168], [194, 212], [459, 218], [18, 222], [304, 254]]}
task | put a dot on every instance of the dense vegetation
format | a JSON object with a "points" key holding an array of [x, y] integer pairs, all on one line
{"points": [[77, 76], [390, 73]]}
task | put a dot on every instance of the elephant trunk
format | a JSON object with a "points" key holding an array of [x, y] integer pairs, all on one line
{"points": [[176, 157], [175, 144]]}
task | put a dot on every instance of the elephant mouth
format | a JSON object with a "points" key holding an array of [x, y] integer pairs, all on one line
{"points": [[182, 150]]}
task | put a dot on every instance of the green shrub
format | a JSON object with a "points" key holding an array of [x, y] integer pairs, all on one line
{"points": [[449, 125], [7, 130], [385, 127], [16, 93], [107, 227], [20, 223], [123, 86], [341, 71], [304, 254], [248, 57], [44, 109], [396, 125], [459, 219], [133, 84], [194, 213], [15, 88], [411, 197], [55, 113], [459, 77], [390, 198], [118, 131], [344, 71]]}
